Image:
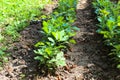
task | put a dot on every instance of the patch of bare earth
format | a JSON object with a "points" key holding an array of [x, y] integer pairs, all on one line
{"points": [[87, 59]]}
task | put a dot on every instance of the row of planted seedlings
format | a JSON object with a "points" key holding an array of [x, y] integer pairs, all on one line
{"points": [[57, 34], [108, 15]]}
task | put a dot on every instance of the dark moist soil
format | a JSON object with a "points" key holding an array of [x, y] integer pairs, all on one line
{"points": [[87, 60]]}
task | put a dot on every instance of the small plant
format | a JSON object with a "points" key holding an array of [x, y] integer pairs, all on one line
{"points": [[57, 35], [49, 55]]}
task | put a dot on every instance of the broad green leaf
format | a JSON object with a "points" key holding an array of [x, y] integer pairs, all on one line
{"points": [[51, 39], [2, 52], [118, 24], [43, 16], [55, 35], [60, 59], [65, 38], [118, 66], [71, 34], [5, 59], [118, 19], [40, 58], [62, 36], [72, 41], [106, 34], [104, 12], [75, 28], [110, 24], [45, 27], [99, 19], [39, 44], [39, 51], [48, 50], [117, 47]]}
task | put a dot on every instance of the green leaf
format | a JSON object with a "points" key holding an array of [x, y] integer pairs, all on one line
{"points": [[55, 35], [72, 41], [110, 24], [2, 52], [99, 19], [43, 16], [104, 12], [118, 24], [117, 46], [45, 27], [118, 19], [118, 66], [39, 58], [106, 34], [5, 59], [75, 28], [39, 51], [39, 44], [71, 34], [48, 50], [60, 59], [51, 39], [62, 36]]}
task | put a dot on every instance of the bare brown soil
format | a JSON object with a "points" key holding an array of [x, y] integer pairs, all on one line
{"points": [[87, 60]]}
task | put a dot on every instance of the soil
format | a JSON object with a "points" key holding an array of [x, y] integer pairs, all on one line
{"points": [[87, 60]]}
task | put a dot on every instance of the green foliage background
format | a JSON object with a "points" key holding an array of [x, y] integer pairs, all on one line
{"points": [[16, 14]]}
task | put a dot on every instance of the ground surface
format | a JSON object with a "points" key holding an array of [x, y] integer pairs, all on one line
{"points": [[87, 59]]}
